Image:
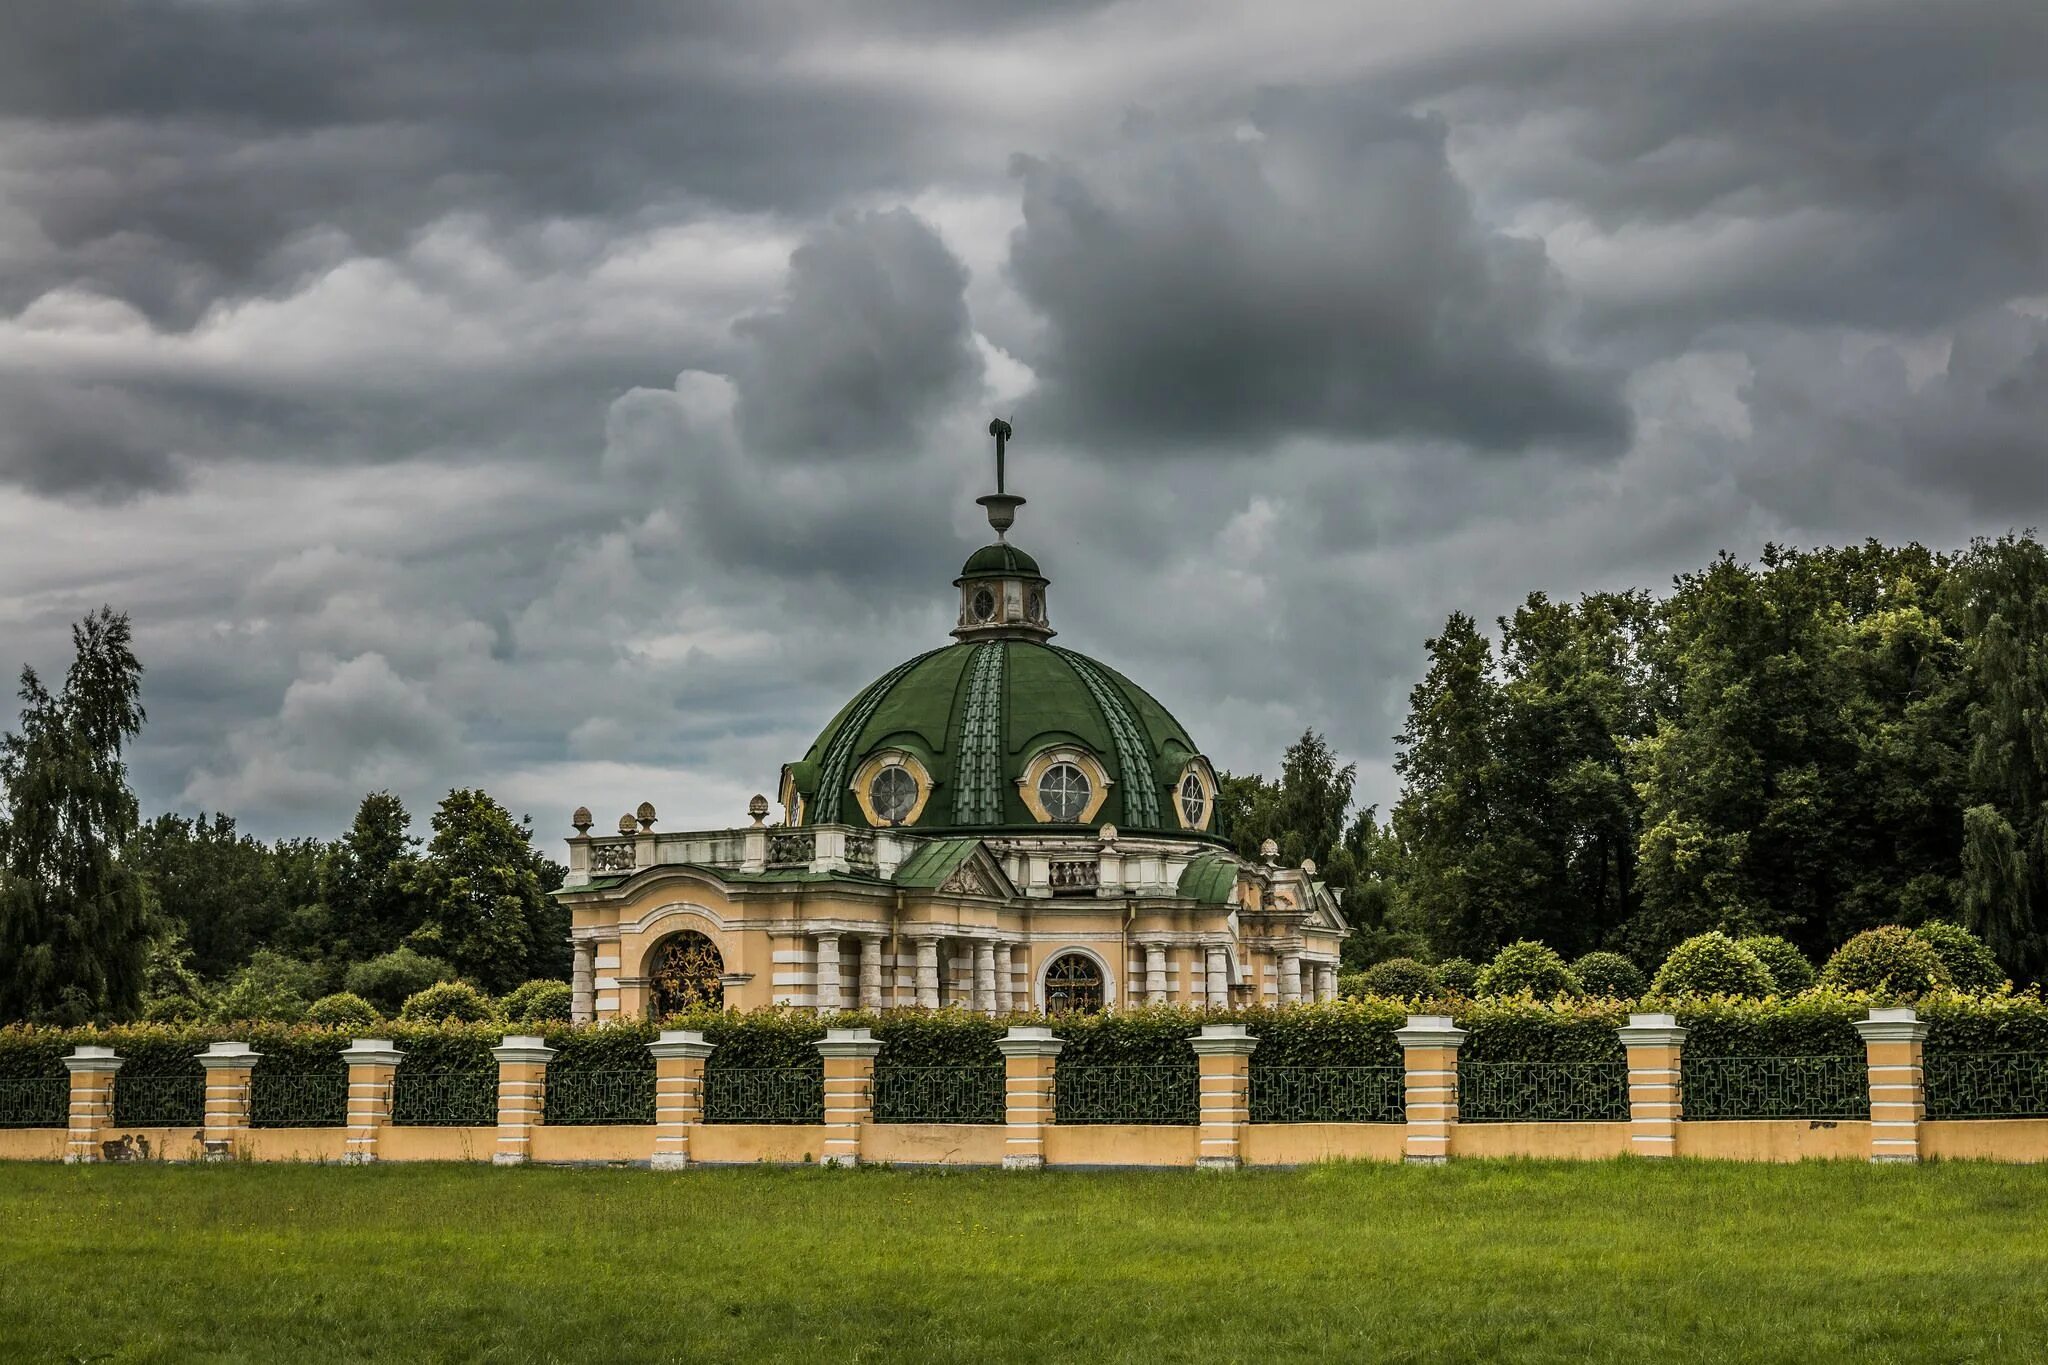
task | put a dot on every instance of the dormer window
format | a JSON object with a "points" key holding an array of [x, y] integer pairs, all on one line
{"points": [[1064, 790]]}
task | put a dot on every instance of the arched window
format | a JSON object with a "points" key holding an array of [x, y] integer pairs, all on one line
{"points": [[893, 794], [1073, 985], [684, 975], [1194, 801]]}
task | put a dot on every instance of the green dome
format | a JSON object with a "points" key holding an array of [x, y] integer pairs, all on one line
{"points": [[975, 714], [998, 560]]}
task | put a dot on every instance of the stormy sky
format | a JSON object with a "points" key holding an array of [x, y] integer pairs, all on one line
{"points": [[583, 400]]}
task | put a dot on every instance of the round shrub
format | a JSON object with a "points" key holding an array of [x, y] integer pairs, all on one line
{"points": [[537, 1002], [1457, 976], [1528, 966], [173, 1009], [1712, 964], [1790, 972], [1887, 960], [1400, 978], [1609, 974], [1971, 967], [342, 1010], [1351, 986], [390, 979], [446, 1001]]}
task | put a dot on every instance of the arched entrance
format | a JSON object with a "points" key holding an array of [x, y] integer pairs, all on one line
{"points": [[1073, 984], [682, 974]]}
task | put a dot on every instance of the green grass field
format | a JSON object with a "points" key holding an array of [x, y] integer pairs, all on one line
{"points": [[1627, 1261]]}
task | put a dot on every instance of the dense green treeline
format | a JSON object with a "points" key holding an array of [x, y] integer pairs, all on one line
{"points": [[1807, 746], [103, 917]]}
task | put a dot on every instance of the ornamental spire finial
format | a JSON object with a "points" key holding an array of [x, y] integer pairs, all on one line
{"points": [[1001, 505]]}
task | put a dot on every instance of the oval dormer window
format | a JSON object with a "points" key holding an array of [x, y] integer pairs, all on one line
{"points": [[984, 605], [1194, 801], [1064, 791], [893, 794]]}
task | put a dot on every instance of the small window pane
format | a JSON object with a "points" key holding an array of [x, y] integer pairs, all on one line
{"points": [[1063, 791], [893, 793]]}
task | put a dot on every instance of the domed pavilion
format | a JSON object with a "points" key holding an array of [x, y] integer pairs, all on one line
{"points": [[1000, 823]]}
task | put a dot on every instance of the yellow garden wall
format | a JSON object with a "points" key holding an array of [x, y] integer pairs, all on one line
{"points": [[292, 1144], [436, 1144], [1985, 1139], [1776, 1139], [1120, 1144], [953, 1144], [735, 1143], [1294, 1144], [594, 1142], [32, 1144]]}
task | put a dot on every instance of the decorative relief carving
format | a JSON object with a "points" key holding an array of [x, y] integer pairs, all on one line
{"points": [[1077, 874], [611, 857], [795, 848], [970, 879], [860, 851]]}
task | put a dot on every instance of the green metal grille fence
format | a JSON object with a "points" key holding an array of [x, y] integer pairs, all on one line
{"points": [[1775, 1088], [444, 1099], [1986, 1085], [1328, 1094], [939, 1094], [165, 1100], [1543, 1092], [35, 1102], [279, 1098], [1127, 1094], [764, 1095], [600, 1096]]}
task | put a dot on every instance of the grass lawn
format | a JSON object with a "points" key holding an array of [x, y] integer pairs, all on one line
{"points": [[1629, 1261]]}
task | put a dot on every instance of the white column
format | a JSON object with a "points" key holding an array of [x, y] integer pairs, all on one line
{"points": [[1217, 976], [871, 971], [1326, 981], [1290, 978], [1155, 973], [583, 983], [1006, 980], [928, 973], [828, 972], [985, 977]]}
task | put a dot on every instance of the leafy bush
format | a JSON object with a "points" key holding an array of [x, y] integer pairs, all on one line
{"points": [[1971, 967], [173, 1009], [1351, 986], [1512, 1029], [1457, 976], [388, 981], [449, 1001], [1712, 964], [1888, 962], [272, 987], [1610, 975], [1400, 978], [1528, 966], [537, 1002], [1820, 1023], [1790, 972], [344, 1011]]}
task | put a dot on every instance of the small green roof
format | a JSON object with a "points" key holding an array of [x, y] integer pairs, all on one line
{"points": [[934, 862], [1209, 879], [997, 561]]}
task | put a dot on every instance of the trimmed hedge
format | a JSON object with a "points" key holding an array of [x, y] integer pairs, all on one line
{"points": [[1964, 956], [1712, 964], [1527, 966], [1400, 978], [1790, 972], [1610, 975], [1458, 976], [1887, 961]]}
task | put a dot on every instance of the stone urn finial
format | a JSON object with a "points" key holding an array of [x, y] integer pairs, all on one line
{"points": [[758, 809], [645, 815], [580, 821], [1270, 850], [627, 824]]}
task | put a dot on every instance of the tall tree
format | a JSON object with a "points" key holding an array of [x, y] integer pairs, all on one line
{"points": [[485, 890], [74, 923], [2003, 595], [365, 880]]}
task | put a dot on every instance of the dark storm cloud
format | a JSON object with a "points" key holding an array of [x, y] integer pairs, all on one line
{"points": [[1318, 269], [872, 337], [1880, 165], [82, 441], [177, 153]]}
